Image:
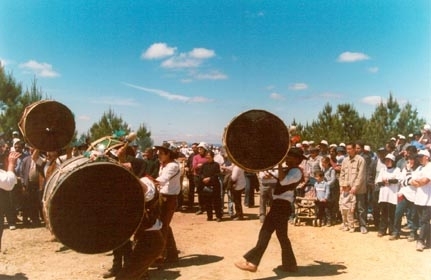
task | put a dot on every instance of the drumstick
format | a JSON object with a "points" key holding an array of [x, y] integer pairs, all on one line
{"points": [[131, 137]]}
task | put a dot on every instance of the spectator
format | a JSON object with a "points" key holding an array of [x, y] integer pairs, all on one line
{"points": [[353, 175], [388, 181], [421, 179]]}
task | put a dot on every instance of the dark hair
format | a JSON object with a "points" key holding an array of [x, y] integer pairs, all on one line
{"points": [[210, 152], [319, 173], [412, 149]]}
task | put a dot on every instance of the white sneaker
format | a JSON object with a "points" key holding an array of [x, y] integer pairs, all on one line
{"points": [[420, 246], [12, 227]]}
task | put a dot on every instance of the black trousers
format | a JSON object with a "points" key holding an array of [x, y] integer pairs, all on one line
{"points": [[276, 220], [147, 248]]}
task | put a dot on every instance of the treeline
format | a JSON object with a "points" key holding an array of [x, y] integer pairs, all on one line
{"points": [[344, 124], [14, 99]]}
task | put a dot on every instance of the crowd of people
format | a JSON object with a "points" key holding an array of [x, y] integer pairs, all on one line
{"points": [[354, 186]]}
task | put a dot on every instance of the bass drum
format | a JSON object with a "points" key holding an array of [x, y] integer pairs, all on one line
{"points": [[256, 140], [93, 206], [47, 125]]}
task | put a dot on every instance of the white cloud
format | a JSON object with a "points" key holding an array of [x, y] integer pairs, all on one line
{"points": [[4, 62], [373, 100], [373, 69], [214, 75], [171, 96], [181, 61], [298, 86], [352, 57], [158, 51], [192, 59], [201, 53], [276, 96], [40, 69]]}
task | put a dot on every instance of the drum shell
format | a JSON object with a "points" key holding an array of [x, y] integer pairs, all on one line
{"points": [[47, 125], [256, 140], [93, 206]]}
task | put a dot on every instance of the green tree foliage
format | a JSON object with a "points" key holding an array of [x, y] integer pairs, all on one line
{"points": [[110, 124], [10, 92], [344, 125], [389, 120]]}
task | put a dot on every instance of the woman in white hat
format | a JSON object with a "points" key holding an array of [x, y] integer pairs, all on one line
{"points": [[388, 181]]}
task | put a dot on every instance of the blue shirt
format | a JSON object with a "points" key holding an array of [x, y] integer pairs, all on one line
{"points": [[322, 190]]}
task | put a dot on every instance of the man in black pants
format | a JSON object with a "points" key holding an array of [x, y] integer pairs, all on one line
{"points": [[278, 216]]}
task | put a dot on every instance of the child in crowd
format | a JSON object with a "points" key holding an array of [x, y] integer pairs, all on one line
{"points": [[322, 198], [347, 208]]}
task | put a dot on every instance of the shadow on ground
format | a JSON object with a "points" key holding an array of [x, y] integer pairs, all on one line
{"points": [[319, 269], [18, 276], [184, 261]]}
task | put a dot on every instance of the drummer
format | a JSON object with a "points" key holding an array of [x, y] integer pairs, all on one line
{"points": [[278, 215]]}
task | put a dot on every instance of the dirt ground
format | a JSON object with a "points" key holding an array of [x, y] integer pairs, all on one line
{"points": [[209, 249]]}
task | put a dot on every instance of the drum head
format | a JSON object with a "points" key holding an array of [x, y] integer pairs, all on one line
{"points": [[48, 125], [96, 208], [256, 140]]}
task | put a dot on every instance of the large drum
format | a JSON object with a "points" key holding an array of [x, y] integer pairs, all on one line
{"points": [[93, 206], [47, 125], [110, 146], [256, 140]]}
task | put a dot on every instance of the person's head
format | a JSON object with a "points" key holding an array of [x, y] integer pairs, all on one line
{"points": [[390, 161], [52, 155], [410, 151], [323, 146], [19, 146], [326, 162], [351, 149], [294, 157], [345, 188], [209, 155], [333, 152], [359, 146], [314, 152], [412, 161], [195, 148], [423, 157], [381, 153], [166, 152], [148, 153], [319, 175], [202, 148]]}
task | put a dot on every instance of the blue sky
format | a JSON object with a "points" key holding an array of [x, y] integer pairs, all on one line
{"points": [[185, 69]]}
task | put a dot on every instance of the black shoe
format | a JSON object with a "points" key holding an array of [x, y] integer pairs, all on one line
{"points": [[110, 273]]}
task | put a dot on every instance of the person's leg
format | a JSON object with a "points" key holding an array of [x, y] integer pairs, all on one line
{"points": [[383, 218], [391, 217], [288, 260], [399, 212], [146, 250], [238, 205], [217, 204], [191, 194], [361, 203], [254, 256]]}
